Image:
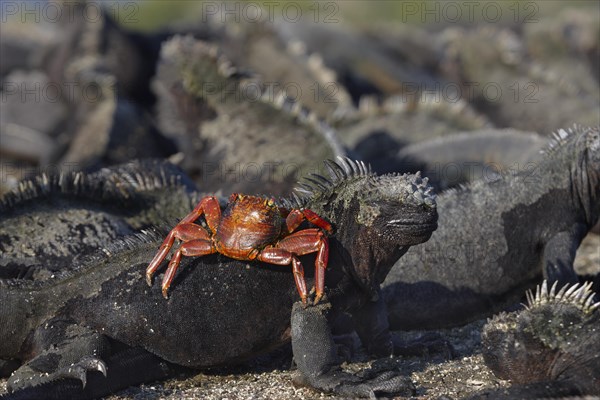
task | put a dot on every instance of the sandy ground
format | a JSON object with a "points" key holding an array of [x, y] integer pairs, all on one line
{"points": [[433, 376]]}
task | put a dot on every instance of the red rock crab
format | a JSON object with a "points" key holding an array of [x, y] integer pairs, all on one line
{"points": [[249, 228]]}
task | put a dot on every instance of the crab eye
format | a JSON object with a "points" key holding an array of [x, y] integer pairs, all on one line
{"points": [[269, 202]]}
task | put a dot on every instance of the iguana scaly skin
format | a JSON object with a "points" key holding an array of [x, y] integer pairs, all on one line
{"points": [[258, 47], [48, 223], [568, 41], [76, 322], [496, 239], [378, 129], [464, 157], [235, 132], [97, 116], [362, 64], [485, 56], [550, 349]]}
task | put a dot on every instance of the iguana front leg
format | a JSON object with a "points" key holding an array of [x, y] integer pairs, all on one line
{"points": [[373, 329], [559, 255], [318, 365]]}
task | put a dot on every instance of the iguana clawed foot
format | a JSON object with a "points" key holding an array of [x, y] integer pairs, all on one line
{"points": [[353, 386], [69, 351], [77, 371], [80, 369]]}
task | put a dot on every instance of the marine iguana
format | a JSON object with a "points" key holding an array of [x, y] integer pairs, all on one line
{"points": [[459, 158], [104, 305], [258, 47], [567, 40], [549, 349], [236, 133], [492, 58], [362, 64], [96, 113], [49, 222], [379, 128], [101, 45], [496, 239], [511, 74]]}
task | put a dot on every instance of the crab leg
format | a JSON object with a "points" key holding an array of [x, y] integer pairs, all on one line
{"points": [[184, 232], [295, 218], [301, 243], [273, 255], [209, 206], [196, 247]]}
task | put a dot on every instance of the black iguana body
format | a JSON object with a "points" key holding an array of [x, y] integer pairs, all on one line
{"points": [[550, 349], [455, 159], [222, 311], [496, 239], [50, 222]]}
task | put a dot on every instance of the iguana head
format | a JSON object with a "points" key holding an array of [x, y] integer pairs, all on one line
{"points": [[578, 149], [525, 346], [375, 218]]}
